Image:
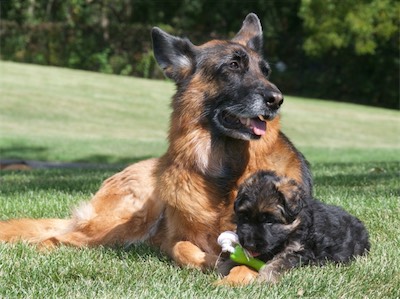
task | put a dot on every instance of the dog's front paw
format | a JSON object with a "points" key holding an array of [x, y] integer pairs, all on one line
{"points": [[268, 274], [239, 276]]}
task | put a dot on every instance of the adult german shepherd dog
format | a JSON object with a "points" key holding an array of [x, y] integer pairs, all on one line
{"points": [[224, 126]]}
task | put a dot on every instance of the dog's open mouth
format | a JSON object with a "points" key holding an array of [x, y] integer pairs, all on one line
{"points": [[252, 253], [256, 125]]}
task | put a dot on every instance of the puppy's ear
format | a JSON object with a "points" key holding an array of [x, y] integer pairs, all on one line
{"points": [[250, 34], [176, 56], [294, 197]]}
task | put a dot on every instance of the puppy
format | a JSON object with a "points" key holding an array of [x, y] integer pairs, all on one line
{"points": [[279, 224]]}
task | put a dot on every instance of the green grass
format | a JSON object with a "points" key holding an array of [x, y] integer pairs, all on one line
{"points": [[59, 114], [56, 114]]}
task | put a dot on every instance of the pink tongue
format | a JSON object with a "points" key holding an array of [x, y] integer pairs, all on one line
{"points": [[259, 127], [254, 254]]}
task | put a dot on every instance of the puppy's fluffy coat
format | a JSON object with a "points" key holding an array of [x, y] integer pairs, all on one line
{"points": [[279, 224]]}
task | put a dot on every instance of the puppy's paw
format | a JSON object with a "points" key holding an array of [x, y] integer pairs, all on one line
{"points": [[268, 274]]}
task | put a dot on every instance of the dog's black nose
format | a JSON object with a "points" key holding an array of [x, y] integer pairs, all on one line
{"points": [[274, 99], [249, 244]]}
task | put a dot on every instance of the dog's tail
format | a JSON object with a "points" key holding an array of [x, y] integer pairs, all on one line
{"points": [[33, 230]]}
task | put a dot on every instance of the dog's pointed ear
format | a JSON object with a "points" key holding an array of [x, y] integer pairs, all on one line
{"points": [[294, 196], [176, 56], [250, 34]]}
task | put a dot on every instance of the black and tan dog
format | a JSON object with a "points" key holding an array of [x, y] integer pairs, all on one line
{"points": [[224, 126], [280, 224]]}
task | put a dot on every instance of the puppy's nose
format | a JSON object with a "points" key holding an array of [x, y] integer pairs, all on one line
{"points": [[249, 244], [274, 99]]}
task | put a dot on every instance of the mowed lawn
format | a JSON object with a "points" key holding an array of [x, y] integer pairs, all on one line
{"points": [[54, 114]]}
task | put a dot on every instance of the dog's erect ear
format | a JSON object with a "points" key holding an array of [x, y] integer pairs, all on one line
{"points": [[250, 34], [176, 56], [294, 197]]}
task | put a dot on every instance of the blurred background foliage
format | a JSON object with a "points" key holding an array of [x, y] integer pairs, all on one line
{"points": [[345, 50]]}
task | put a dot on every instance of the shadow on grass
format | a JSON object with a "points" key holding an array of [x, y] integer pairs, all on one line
{"points": [[69, 180], [20, 150], [356, 174], [135, 252], [341, 175], [64, 180], [39, 157]]}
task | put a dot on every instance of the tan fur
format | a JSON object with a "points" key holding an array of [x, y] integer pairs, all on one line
{"points": [[193, 207], [239, 276], [32, 230], [270, 273], [123, 211], [172, 202]]}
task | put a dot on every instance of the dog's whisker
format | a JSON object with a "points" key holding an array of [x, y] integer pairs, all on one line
{"points": [[247, 254]]}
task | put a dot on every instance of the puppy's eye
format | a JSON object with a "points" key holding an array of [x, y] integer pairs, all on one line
{"points": [[243, 218], [266, 218]]}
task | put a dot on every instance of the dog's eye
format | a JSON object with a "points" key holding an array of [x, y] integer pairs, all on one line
{"points": [[234, 65], [265, 69], [266, 218], [243, 218]]}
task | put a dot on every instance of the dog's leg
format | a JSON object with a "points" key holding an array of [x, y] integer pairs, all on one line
{"points": [[282, 262], [32, 230], [75, 238], [185, 253], [271, 272], [121, 220], [110, 231], [239, 275]]}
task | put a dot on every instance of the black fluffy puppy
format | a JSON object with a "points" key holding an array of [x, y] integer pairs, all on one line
{"points": [[277, 223]]}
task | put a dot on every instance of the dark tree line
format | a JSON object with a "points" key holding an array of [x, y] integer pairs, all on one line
{"points": [[345, 50]]}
